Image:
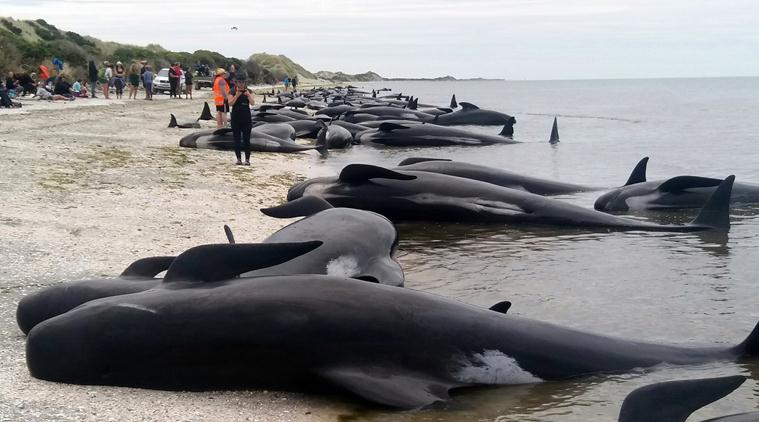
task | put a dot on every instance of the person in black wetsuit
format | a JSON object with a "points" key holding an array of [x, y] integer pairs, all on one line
{"points": [[240, 100]]}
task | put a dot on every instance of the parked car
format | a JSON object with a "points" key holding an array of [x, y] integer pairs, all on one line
{"points": [[161, 81]]}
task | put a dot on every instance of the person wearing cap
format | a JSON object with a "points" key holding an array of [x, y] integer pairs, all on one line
{"points": [[119, 80], [240, 102], [220, 93]]}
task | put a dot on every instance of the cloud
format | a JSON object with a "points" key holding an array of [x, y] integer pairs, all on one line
{"points": [[521, 39]]}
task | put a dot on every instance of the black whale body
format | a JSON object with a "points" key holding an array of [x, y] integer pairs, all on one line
{"points": [[395, 347], [416, 195]]}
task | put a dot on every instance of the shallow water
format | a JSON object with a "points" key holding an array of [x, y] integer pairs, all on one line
{"points": [[662, 287]]}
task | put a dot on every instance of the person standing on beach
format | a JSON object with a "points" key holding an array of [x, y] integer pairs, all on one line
{"points": [[93, 74], [294, 83], [108, 75], [119, 79], [187, 84], [134, 79], [286, 82], [147, 81], [242, 123], [173, 81], [220, 93]]}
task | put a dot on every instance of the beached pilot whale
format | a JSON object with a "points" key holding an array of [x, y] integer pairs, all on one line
{"points": [[55, 300], [417, 195], [391, 346], [355, 243], [403, 134], [183, 124], [334, 136], [259, 141], [470, 114], [674, 401], [674, 193], [492, 175]]}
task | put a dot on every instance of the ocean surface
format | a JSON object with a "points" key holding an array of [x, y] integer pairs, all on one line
{"points": [[678, 288]]}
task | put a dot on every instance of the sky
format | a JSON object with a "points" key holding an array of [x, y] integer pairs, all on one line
{"points": [[507, 39]]}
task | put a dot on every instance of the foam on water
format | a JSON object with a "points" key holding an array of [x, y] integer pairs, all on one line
{"points": [[494, 367], [343, 266]]}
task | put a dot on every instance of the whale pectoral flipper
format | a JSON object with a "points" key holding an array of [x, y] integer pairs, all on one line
{"points": [[638, 174], [501, 307], [301, 207], [674, 401], [147, 267], [222, 131], [358, 173], [681, 183], [209, 263], [402, 389], [413, 160], [387, 127]]}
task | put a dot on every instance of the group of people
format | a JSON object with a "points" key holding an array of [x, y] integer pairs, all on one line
{"points": [[119, 77], [230, 92], [290, 82]]}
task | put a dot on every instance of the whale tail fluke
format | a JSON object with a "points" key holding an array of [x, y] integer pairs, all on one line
{"points": [[206, 113], [674, 401], [173, 121], [508, 129], [554, 132], [716, 212], [638, 174], [321, 140]]}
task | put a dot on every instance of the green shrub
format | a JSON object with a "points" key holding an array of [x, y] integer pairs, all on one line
{"points": [[11, 27]]}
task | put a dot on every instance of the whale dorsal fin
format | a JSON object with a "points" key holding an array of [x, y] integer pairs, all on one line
{"points": [[357, 173], [396, 388], [501, 307], [716, 212], [387, 127], [302, 207], [206, 113], [147, 267], [554, 132], [173, 121], [681, 183], [414, 160], [210, 263], [229, 234], [468, 106], [454, 104], [674, 401], [638, 174]]}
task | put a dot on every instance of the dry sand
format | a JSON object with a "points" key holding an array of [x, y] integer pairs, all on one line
{"points": [[87, 187]]}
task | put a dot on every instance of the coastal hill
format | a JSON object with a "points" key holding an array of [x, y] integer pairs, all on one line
{"points": [[25, 44]]}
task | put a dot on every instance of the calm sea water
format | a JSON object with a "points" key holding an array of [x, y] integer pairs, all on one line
{"points": [[660, 287]]}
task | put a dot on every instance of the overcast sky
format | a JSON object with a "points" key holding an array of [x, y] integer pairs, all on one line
{"points": [[511, 39]]}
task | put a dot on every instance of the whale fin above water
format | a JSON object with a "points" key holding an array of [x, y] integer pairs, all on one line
{"points": [[357, 173], [508, 130], [302, 207], [414, 160], [147, 267], [454, 104], [750, 346], [210, 263], [501, 307], [674, 401], [554, 132], [230, 235], [468, 106], [681, 183], [397, 389], [638, 174], [206, 113], [716, 212], [173, 121]]}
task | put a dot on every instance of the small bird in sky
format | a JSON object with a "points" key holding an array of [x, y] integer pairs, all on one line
{"points": [[234, 28]]}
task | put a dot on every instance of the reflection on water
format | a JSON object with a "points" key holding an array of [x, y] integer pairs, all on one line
{"points": [[696, 288]]}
